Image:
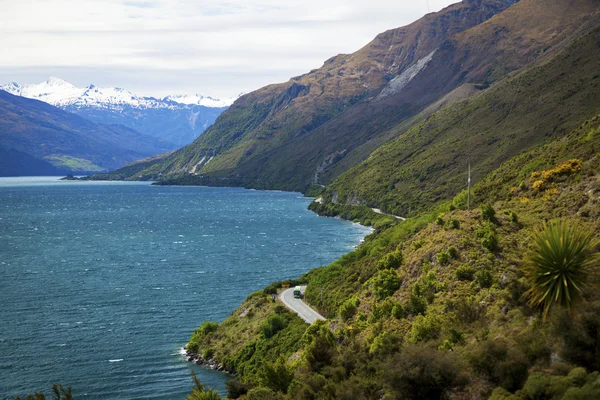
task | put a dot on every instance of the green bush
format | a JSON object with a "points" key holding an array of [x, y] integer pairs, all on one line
{"points": [[488, 213], [274, 324], [467, 309], [580, 336], [486, 234], [453, 252], [513, 217], [385, 284], [425, 327], [576, 385], [348, 308], [319, 347], [439, 221], [465, 273], [484, 277], [398, 311], [420, 372], [500, 363], [443, 257], [262, 393], [277, 376], [391, 260], [235, 388], [384, 344], [418, 304], [452, 224]]}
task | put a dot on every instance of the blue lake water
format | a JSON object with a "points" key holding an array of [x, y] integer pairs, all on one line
{"points": [[101, 284]]}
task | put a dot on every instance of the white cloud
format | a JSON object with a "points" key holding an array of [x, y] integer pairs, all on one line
{"points": [[215, 47]]}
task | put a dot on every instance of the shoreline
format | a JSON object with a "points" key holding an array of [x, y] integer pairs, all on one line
{"points": [[209, 363]]}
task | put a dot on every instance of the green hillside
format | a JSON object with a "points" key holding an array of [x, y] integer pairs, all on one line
{"points": [[429, 162], [437, 307]]}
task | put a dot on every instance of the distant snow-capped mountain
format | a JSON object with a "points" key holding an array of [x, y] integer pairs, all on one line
{"points": [[60, 93], [178, 118]]}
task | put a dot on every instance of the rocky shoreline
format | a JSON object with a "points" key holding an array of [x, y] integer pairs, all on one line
{"points": [[210, 363]]}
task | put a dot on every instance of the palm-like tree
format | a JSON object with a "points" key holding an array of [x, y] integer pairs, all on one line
{"points": [[562, 264]]}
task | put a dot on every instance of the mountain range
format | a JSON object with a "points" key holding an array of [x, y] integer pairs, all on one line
{"points": [[178, 119], [37, 138], [316, 127]]}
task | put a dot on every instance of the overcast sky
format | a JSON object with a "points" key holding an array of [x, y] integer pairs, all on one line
{"points": [[211, 47]]}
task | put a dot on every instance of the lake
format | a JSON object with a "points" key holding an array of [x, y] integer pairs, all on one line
{"points": [[102, 283]]}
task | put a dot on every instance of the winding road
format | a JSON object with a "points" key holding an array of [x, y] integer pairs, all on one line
{"points": [[378, 211], [298, 306]]}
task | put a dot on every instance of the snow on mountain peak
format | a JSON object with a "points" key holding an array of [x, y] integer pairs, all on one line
{"points": [[60, 93], [200, 100]]}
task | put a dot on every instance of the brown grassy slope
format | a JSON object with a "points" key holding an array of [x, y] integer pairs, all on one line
{"points": [[507, 41], [428, 163], [270, 116]]}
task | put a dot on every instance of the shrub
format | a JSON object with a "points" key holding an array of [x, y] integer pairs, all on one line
{"points": [[261, 393], [273, 325], [453, 252], [277, 377], [580, 336], [487, 236], [425, 328], [422, 372], [348, 308], [443, 257], [467, 309], [452, 224], [382, 310], [397, 311], [319, 346], [386, 283], [384, 344], [439, 221], [576, 385], [560, 265], [235, 388], [391, 260], [513, 217], [484, 277], [418, 304], [500, 363], [488, 213], [465, 273]]}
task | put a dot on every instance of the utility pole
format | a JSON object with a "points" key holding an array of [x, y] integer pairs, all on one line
{"points": [[469, 188]]}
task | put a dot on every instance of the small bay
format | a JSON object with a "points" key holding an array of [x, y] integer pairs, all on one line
{"points": [[101, 283]]}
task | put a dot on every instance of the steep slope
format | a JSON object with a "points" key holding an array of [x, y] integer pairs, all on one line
{"points": [[429, 162], [175, 119], [435, 307], [331, 119], [264, 120], [67, 141]]}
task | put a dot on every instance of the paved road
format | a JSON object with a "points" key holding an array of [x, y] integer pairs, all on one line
{"points": [[378, 211], [298, 306]]}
